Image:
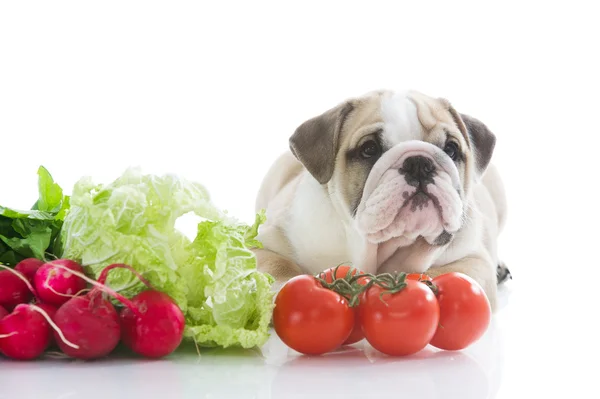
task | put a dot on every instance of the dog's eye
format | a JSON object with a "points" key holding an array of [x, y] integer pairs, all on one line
{"points": [[369, 149], [451, 148]]}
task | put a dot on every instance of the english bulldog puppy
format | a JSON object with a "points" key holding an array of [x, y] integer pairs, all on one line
{"points": [[385, 182]]}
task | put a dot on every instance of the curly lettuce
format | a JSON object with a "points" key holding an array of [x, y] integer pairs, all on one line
{"points": [[233, 296], [213, 278]]}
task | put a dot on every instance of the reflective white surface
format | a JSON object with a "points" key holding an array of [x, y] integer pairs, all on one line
{"points": [[505, 363], [223, 86]]}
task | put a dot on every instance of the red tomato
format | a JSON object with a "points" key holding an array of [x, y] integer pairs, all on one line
{"points": [[465, 311], [403, 323], [418, 277], [310, 318], [356, 335]]}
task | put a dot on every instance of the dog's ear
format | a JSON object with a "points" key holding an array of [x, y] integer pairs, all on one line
{"points": [[481, 139], [315, 142]]}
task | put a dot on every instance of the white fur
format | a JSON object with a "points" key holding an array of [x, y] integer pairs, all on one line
{"points": [[315, 231], [400, 119], [320, 235]]}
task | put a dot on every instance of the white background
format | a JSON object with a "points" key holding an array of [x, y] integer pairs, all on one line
{"points": [[213, 90]]}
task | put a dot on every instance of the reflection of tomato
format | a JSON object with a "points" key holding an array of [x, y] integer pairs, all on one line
{"points": [[342, 271], [310, 318], [402, 323], [465, 311], [418, 277]]}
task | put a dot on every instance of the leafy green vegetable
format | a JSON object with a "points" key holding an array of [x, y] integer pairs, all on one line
{"points": [[232, 295], [213, 278], [33, 233], [51, 195]]}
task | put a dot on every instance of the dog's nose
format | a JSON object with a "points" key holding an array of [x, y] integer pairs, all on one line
{"points": [[418, 169]]}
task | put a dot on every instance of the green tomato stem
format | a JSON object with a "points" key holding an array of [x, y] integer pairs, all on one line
{"points": [[349, 287]]}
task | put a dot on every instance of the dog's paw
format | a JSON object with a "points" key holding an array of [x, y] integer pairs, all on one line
{"points": [[502, 273]]}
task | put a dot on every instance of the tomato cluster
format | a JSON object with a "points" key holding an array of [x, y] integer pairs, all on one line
{"points": [[398, 314]]}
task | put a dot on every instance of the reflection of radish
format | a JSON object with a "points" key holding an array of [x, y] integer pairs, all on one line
{"points": [[56, 282], [28, 267], [25, 333]]}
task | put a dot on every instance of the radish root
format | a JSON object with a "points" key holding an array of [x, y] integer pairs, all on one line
{"points": [[54, 326], [197, 347], [22, 277], [81, 291], [8, 335], [103, 288], [49, 287], [104, 274]]}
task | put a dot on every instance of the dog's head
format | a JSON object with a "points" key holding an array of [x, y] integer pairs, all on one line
{"points": [[400, 165]]}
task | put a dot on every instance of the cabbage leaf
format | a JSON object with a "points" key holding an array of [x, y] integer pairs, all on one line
{"points": [[213, 278]]}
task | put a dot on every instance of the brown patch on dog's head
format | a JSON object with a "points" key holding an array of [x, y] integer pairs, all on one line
{"points": [[480, 139], [444, 124], [362, 146], [330, 146], [316, 141]]}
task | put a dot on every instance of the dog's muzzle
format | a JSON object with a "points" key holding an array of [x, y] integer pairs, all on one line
{"points": [[413, 190], [418, 170]]}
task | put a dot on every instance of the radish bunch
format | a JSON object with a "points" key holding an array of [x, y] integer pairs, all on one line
{"points": [[55, 302]]}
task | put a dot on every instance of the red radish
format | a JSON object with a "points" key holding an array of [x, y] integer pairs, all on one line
{"points": [[91, 322], [154, 328], [14, 288], [56, 282], [51, 310], [48, 309], [152, 324], [25, 333], [28, 267]]}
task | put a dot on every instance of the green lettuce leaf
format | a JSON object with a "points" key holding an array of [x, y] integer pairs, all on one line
{"points": [[213, 278], [33, 232], [51, 195], [233, 296]]}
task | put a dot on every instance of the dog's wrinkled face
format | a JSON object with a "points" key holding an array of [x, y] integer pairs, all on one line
{"points": [[399, 165], [413, 190]]}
